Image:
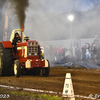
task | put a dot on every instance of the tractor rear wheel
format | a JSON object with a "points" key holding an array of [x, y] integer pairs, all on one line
{"points": [[6, 60], [46, 70], [17, 68]]}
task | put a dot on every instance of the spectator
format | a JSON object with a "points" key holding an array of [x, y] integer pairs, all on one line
{"points": [[59, 53], [83, 53], [63, 51], [96, 41], [77, 52], [96, 46], [54, 52], [95, 53]]}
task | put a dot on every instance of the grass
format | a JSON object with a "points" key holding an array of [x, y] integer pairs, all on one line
{"points": [[22, 93], [30, 94]]}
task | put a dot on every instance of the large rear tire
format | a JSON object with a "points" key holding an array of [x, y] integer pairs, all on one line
{"points": [[6, 60], [46, 70], [17, 68]]}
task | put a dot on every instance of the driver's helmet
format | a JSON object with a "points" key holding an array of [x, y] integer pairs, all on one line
{"points": [[16, 34]]}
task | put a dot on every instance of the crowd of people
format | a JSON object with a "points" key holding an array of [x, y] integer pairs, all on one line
{"points": [[54, 53], [87, 51], [93, 50]]}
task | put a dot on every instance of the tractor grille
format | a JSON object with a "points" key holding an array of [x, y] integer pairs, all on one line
{"points": [[32, 51]]}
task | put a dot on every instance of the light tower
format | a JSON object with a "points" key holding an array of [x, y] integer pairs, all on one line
{"points": [[71, 18]]}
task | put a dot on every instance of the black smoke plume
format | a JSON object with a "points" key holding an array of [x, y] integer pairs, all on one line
{"points": [[2, 2], [19, 9]]}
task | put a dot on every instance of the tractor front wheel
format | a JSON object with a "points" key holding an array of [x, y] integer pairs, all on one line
{"points": [[17, 68], [46, 70]]}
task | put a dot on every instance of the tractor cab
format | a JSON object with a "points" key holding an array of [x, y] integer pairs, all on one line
{"points": [[26, 48], [17, 43], [21, 34]]}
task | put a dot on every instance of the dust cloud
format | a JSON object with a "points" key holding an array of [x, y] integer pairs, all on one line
{"points": [[47, 20], [2, 3]]}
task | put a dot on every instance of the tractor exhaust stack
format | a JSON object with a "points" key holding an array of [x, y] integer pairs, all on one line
{"points": [[22, 33]]}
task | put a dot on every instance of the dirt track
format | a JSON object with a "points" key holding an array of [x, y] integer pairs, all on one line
{"points": [[85, 81]]}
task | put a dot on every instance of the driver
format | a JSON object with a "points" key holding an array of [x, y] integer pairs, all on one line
{"points": [[14, 43]]}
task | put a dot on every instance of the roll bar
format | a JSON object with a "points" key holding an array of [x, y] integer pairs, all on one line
{"points": [[18, 30]]}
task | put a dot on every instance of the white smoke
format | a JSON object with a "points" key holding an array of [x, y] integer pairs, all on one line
{"points": [[47, 20]]}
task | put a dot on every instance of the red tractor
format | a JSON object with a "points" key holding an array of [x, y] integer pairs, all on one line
{"points": [[28, 60]]}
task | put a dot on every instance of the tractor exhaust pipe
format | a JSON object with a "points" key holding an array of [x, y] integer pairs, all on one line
{"points": [[22, 34]]}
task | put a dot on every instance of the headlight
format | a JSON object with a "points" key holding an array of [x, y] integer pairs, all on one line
{"points": [[35, 53], [29, 54]]}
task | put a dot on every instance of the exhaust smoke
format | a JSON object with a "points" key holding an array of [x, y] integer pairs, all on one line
{"points": [[19, 9], [2, 2]]}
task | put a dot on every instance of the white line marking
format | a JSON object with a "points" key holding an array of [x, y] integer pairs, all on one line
{"points": [[35, 90]]}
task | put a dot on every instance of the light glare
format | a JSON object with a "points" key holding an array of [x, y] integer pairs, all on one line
{"points": [[71, 17]]}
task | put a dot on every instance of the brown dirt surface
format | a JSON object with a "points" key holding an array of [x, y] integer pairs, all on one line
{"points": [[85, 81]]}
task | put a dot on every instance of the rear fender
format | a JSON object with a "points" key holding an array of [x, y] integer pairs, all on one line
{"points": [[7, 44]]}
